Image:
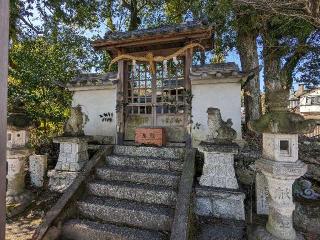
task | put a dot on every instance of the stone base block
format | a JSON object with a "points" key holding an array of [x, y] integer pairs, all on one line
{"points": [[261, 233], [220, 203], [16, 204], [60, 180]]}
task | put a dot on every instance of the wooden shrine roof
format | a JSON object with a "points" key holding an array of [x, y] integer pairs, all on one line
{"points": [[157, 39]]}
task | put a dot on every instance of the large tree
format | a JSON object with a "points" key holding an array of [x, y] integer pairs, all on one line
{"points": [[286, 45]]}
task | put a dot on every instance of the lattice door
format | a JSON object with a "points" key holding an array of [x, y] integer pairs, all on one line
{"points": [[157, 100]]}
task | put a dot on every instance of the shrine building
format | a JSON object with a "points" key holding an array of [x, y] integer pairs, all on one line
{"points": [[160, 83]]}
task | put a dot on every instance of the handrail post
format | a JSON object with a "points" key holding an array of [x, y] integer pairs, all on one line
{"points": [[4, 41]]}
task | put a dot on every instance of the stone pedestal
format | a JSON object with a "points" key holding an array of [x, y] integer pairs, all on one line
{"points": [[17, 197], [72, 157], [38, 168], [220, 203], [218, 193], [218, 169]]}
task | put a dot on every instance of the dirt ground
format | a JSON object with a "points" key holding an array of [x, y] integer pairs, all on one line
{"points": [[22, 226]]}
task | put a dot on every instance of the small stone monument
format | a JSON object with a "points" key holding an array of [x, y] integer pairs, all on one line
{"points": [[280, 165], [262, 194], [38, 169], [73, 152], [218, 193], [17, 197]]}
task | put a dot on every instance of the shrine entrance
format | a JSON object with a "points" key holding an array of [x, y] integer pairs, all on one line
{"points": [[157, 100], [153, 86]]}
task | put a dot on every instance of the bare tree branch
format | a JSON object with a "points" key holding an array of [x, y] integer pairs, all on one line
{"points": [[33, 28], [308, 10]]}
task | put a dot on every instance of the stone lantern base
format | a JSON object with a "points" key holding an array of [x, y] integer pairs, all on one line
{"points": [[280, 177], [261, 233], [17, 197], [72, 157]]}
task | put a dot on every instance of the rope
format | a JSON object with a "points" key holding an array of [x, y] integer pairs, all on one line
{"points": [[152, 59]]}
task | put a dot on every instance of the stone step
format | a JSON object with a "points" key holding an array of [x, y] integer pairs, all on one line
{"points": [[139, 175], [133, 214], [133, 191], [145, 162], [88, 230], [152, 152]]}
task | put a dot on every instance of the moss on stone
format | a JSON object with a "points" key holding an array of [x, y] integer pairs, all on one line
{"points": [[282, 122]]}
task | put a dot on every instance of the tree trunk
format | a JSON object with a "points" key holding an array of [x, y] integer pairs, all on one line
{"points": [[247, 47], [134, 19], [275, 79]]}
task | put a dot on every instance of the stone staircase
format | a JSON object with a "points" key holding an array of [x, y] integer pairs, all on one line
{"points": [[132, 197]]}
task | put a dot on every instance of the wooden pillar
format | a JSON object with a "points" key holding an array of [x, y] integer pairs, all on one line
{"points": [[4, 40], [188, 64], [120, 100]]}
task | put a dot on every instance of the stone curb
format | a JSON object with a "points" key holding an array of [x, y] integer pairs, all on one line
{"points": [[181, 222]]}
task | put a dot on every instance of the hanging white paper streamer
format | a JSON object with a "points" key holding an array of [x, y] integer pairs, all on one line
{"points": [[165, 67], [175, 60], [134, 64]]}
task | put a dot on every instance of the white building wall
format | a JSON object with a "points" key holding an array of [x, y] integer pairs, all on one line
{"points": [[308, 107], [225, 96], [96, 102]]}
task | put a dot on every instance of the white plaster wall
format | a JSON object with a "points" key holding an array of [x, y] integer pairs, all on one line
{"points": [[225, 96], [95, 103], [306, 107]]}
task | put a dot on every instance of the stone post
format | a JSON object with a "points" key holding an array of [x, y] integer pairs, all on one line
{"points": [[280, 166], [38, 168]]}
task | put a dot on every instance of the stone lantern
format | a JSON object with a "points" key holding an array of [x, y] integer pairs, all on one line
{"points": [[279, 165], [18, 151]]}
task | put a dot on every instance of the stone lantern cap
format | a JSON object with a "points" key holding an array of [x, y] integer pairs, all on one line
{"points": [[283, 123], [19, 121], [280, 120]]}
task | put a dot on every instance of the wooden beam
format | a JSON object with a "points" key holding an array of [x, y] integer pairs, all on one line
{"points": [[4, 41], [120, 100]]}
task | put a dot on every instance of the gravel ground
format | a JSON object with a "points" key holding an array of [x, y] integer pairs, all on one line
{"points": [[22, 226]]}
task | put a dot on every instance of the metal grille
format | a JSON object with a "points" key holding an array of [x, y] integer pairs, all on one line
{"points": [[165, 93]]}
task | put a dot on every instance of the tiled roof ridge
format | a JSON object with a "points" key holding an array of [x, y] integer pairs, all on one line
{"points": [[91, 79], [157, 30]]}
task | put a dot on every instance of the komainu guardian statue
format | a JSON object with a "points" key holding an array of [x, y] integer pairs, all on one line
{"points": [[74, 125], [219, 130]]}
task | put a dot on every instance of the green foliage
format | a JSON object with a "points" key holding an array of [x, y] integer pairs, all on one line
{"points": [[40, 69]]}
